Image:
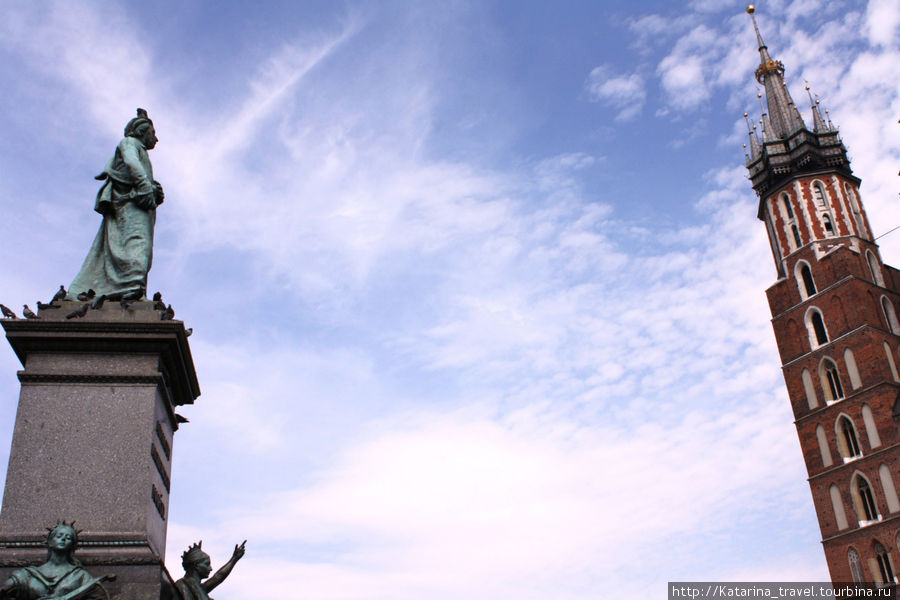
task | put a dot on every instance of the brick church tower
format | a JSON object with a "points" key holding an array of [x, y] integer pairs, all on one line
{"points": [[834, 312]]}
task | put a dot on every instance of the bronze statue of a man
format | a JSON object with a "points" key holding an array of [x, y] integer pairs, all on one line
{"points": [[61, 577], [117, 264], [197, 567]]}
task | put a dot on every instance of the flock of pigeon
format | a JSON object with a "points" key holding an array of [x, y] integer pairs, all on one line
{"points": [[91, 301]]}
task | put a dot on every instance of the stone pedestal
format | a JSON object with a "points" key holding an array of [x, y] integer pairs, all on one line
{"points": [[93, 439]]}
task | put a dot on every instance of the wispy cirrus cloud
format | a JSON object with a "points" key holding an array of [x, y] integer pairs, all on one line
{"points": [[425, 376]]}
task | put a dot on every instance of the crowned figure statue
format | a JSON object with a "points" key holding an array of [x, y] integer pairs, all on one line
{"points": [[197, 567], [61, 577]]}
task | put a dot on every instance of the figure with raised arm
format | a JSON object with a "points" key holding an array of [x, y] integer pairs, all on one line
{"points": [[197, 567]]}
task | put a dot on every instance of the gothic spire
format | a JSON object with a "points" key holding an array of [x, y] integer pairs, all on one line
{"points": [[764, 120], [783, 115], [755, 146], [819, 125]]}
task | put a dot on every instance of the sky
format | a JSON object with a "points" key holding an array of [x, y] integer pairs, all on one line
{"points": [[477, 288]]}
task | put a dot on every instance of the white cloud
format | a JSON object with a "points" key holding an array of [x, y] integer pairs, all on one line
{"points": [[882, 19], [625, 93], [461, 504], [684, 73]]}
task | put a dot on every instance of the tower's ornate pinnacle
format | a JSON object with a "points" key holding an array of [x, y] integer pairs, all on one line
{"points": [[782, 113]]}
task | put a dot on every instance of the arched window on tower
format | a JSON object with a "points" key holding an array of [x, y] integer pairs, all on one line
{"points": [[809, 388], [857, 212], [885, 567], [820, 197], [804, 279], [824, 450], [850, 361], [837, 504], [815, 327], [819, 194], [871, 428], [875, 268], [856, 569], [827, 224], [890, 315], [847, 440], [855, 566], [890, 358], [864, 500], [792, 222], [830, 380], [890, 492]]}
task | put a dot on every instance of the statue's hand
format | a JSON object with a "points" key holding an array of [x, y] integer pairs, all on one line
{"points": [[146, 201], [239, 551], [158, 192]]}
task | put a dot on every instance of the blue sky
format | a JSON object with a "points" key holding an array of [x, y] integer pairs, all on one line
{"points": [[477, 287]]}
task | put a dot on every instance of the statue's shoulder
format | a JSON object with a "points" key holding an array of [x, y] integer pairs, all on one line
{"points": [[20, 575], [186, 592], [130, 143]]}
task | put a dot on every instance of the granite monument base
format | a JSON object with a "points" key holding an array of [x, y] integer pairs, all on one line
{"points": [[93, 439]]}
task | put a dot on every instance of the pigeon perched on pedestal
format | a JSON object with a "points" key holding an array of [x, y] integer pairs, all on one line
{"points": [[168, 315], [78, 313], [28, 313], [59, 295], [88, 295], [7, 313]]}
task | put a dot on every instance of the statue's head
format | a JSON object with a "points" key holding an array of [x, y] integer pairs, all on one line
{"points": [[63, 538], [141, 127], [196, 560]]}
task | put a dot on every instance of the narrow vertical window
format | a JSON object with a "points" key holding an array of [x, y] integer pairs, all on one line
{"points": [[792, 221], [875, 268], [850, 361], [787, 206], [805, 280], [866, 499], [837, 504], [856, 569], [890, 315], [823, 446], [816, 327], [848, 444], [819, 194], [811, 399], [831, 380], [808, 282], [891, 364], [871, 429], [826, 222], [890, 492], [857, 213], [884, 564]]}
